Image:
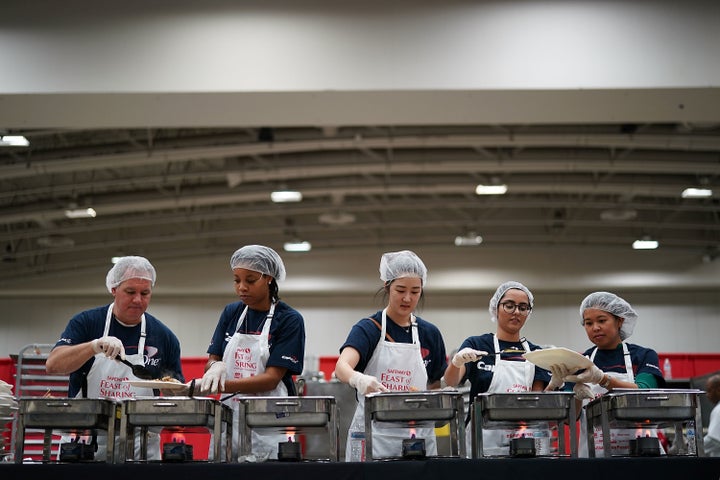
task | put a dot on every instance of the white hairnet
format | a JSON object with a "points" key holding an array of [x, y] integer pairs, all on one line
{"points": [[402, 264], [501, 290], [259, 258], [611, 303], [127, 268]]}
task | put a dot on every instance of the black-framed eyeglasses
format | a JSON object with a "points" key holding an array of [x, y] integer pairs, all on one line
{"points": [[522, 308]]}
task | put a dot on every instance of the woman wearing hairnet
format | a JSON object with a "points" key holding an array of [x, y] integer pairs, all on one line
{"points": [[608, 321], [504, 370], [94, 340], [259, 341], [392, 351]]}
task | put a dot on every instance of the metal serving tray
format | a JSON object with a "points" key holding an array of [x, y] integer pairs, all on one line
{"points": [[646, 404], [171, 411], [288, 411], [409, 406], [525, 406], [66, 412]]}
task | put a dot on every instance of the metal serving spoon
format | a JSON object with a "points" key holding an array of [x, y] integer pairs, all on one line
{"points": [[139, 371]]}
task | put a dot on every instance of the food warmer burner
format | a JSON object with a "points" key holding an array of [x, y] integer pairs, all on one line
{"points": [[293, 416], [645, 410], [175, 413], [406, 408], [533, 412], [76, 415]]}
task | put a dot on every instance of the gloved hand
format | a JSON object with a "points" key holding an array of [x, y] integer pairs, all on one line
{"points": [[466, 355], [110, 346], [590, 375], [365, 384], [583, 391], [559, 372], [214, 378]]}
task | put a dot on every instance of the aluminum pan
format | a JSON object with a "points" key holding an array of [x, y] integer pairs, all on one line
{"points": [[525, 406], [288, 411], [171, 411], [66, 412], [409, 406]]}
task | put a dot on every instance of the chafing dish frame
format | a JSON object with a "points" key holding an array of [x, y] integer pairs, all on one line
{"points": [[300, 414], [489, 411], [436, 405], [668, 407], [167, 413], [65, 414]]}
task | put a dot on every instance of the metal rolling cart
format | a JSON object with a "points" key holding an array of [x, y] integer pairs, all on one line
{"points": [[643, 411], [71, 414], [292, 416], [525, 411], [176, 413], [408, 408]]}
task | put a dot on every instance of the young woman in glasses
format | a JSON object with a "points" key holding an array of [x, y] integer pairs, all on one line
{"points": [[493, 362]]}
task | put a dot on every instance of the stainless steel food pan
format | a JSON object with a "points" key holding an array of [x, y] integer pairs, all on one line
{"points": [[171, 411], [643, 405], [288, 411], [410, 406], [524, 406], [66, 412]]}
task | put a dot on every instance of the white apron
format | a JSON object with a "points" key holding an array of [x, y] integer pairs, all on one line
{"points": [[106, 380], [619, 437], [400, 367], [246, 355], [508, 377]]}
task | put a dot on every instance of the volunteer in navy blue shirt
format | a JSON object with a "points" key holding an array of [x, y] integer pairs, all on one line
{"points": [[259, 342], [392, 351], [93, 339], [608, 321], [493, 362]]}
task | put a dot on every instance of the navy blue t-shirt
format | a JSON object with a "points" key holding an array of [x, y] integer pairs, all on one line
{"points": [[286, 336], [365, 335], [644, 360], [162, 348], [480, 373]]}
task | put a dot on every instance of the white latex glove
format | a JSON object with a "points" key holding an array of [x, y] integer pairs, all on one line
{"points": [[214, 378], [590, 375], [559, 372], [466, 355], [365, 384], [110, 346], [583, 391]]}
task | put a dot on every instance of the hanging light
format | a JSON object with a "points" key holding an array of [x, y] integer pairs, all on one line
{"points": [[471, 239], [88, 212], [285, 196], [13, 141], [297, 246], [645, 243], [696, 193], [491, 189]]}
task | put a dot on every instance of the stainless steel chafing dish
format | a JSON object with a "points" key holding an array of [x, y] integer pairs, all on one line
{"points": [[513, 411], [642, 409], [67, 414], [440, 406], [175, 412], [311, 415]]}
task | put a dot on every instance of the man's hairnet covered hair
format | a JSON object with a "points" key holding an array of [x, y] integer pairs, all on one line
{"points": [[259, 258], [611, 303], [402, 264], [501, 290], [127, 268]]}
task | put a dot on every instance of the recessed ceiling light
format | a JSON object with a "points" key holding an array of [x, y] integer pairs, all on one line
{"points": [[696, 193], [491, 189], [284, 196], [297, 246], [80, 213]]}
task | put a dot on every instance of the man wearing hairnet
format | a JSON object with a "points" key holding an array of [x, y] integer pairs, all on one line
{"points": [[258, 344], [504, 369], [392, 351], [94, 340], [608, 321]]}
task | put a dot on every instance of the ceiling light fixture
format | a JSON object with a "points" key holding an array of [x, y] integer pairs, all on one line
{"points": [[645, 243], [469, 240], [285, 196], [297, 246], [696, 193], [81, 213], [491, 189], [13, 141]]}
